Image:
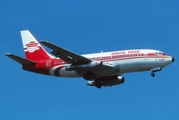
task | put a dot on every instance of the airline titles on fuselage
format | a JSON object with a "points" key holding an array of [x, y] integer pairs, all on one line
{"points": [[114, 56], [125, 52]]}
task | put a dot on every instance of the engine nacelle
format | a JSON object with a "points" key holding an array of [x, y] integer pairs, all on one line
{"points": [[107, 81], [90, 66]]}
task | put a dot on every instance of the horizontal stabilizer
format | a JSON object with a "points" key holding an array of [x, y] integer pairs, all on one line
{"points": [[20, 60]]}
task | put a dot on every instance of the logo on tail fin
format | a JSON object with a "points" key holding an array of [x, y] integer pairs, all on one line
{"points": [[32, 46]]}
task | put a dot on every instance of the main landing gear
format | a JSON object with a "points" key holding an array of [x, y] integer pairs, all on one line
{"points": [[95, 83], [91, 76], [98, 84]]}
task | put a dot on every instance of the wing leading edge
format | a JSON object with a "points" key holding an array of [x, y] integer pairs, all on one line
{"points": [[66, 55]]}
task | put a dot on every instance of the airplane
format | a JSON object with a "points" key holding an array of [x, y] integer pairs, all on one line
{"points": [[99, 69]]}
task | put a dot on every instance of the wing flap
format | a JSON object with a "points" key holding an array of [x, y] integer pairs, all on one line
{"points": [[20, 60], [66, 55]]}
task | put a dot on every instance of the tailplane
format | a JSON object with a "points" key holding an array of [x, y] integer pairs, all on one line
{"points": [[20, 60], [32, 49]]}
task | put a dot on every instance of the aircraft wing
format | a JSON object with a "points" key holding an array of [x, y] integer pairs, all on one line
{"points": [[66, 55]]}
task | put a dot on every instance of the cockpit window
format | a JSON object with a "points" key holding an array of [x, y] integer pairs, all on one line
{"points": [[160, 53]]}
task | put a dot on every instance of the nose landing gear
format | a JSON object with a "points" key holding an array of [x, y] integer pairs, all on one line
{"points": [[155, 70], [152, 74]]}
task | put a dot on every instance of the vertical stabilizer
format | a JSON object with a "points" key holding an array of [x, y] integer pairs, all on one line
{"points": [[33, 50]]}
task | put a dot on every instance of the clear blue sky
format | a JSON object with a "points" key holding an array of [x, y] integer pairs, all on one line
{"points": [[85, 26]]}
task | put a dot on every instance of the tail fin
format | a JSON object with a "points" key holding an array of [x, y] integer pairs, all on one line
{"points": [[33, 50]]}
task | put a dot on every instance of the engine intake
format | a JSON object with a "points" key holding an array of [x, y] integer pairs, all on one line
{"points": [[89, 66]]}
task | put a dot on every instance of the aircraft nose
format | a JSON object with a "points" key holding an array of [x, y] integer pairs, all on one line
{"points": [[173, 59]]}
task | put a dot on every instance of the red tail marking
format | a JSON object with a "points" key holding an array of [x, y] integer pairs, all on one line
{"points": [[34, 51], [57, 71], [32, 44]]}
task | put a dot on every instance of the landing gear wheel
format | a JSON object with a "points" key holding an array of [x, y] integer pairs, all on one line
{"points": [[98, 85], [153, 74]]}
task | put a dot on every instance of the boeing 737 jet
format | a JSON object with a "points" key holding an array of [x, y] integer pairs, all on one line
{"points": [[99, 69]]}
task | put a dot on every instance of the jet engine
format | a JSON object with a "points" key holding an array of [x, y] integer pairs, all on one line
{"points": [[106, 81], [90, 66]]}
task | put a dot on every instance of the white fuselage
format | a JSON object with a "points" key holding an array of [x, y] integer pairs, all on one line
{"points": [[124, 61]]}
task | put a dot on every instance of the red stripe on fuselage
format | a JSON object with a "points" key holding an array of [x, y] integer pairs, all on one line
{"points": [[57, 71], [127, 56], [120, 57]]}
